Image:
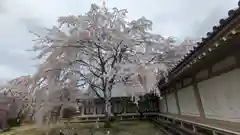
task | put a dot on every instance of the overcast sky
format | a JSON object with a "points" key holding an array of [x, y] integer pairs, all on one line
{"points": [[179, 18]]}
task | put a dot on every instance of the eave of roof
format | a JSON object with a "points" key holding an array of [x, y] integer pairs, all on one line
{"points": [[232, 15]]}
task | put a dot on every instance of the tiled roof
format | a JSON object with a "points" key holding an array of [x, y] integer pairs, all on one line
{"points": [[232, 14]]}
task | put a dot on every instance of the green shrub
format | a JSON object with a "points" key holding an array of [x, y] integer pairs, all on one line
{"points": [[13, 122]]}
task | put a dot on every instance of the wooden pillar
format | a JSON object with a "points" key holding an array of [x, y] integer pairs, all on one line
{"points": [[165, 97], [237, 57], [159, 105], [103, 108], [136, 109], [125, 106], [237, 54], [198, 99], [177, 102], [82, 110], [94, 110]]}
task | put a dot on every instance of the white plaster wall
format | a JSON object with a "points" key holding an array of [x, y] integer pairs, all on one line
{"points": [[187, 102], [171, 103], [221, 96], [163, 107]]}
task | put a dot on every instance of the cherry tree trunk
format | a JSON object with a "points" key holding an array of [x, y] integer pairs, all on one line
{"points": [[108, 106]]}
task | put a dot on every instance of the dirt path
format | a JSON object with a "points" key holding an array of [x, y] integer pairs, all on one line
{"points": [[18, 129]]}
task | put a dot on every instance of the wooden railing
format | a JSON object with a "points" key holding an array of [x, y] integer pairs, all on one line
{"points": [[120, 105], [124, 109], [191, 127], [194, 127]]}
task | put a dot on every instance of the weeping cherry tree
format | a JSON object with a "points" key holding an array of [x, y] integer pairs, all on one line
{"points": [[101, 50]]}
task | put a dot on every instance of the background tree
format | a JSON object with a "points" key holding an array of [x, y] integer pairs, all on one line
{"points": [[18, 91]]}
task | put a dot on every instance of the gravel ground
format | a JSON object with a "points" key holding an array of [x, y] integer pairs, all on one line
{"points": [[118, 128]]}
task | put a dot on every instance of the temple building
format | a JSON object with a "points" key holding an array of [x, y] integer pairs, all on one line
{"points": [[204, 87]]}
